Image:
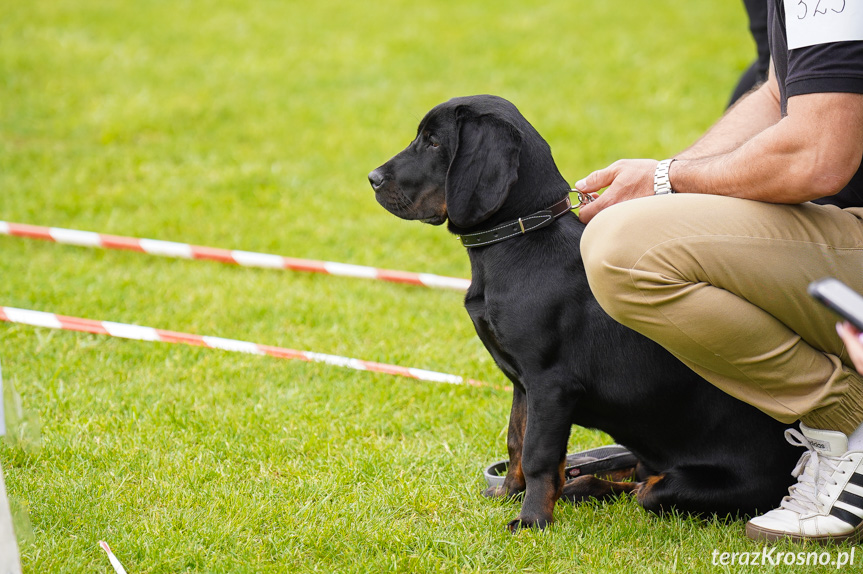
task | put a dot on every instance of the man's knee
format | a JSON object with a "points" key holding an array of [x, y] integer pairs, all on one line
{"points": [[609, 248]]}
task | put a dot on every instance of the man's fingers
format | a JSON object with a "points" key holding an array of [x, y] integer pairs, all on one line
{"points": [[587, 212], [624, 180], [596, 181], [847, 331], [592, 184], [853, 344]]}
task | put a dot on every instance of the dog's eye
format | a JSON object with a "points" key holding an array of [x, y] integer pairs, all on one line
{"points": [[429, 139]]}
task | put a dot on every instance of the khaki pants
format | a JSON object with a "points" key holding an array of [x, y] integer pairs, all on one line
{"points": [[721, 283]]}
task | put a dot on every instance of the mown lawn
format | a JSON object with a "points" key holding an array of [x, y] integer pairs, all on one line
{"points": [[252, 125]]}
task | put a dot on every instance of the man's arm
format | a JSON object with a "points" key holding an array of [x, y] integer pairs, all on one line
{"points": [[751, 115], [627, 179], [812, 152]]}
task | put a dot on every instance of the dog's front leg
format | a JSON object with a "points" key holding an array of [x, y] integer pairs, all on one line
{"points": [[543, 460], [513, 484]]}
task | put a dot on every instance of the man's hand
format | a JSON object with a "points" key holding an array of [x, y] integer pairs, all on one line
{"points": [[853, 343], [625, 179]]}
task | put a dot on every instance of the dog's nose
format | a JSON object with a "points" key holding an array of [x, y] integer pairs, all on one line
{"points": [[376, 178]]}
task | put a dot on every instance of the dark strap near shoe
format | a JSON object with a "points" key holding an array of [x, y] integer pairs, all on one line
{"points": [[592, 461]]}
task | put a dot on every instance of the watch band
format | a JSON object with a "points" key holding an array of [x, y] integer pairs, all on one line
{"points": [[661, 181]]}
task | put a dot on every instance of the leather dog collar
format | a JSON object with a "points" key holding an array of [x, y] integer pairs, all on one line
{"points": [[512, 229]]}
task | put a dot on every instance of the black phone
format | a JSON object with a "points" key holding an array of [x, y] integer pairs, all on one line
{"points": [[840, 298]]}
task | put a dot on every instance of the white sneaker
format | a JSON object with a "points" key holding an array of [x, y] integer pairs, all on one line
{"points": [[826, 504]]}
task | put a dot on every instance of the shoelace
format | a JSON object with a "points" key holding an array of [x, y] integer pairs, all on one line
{"points": [[803, 496]]}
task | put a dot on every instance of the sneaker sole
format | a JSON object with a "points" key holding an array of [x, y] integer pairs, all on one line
{"points": [[766, 535]]}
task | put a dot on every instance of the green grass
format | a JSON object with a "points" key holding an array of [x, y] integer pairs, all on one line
{"points": [[252, 126]]}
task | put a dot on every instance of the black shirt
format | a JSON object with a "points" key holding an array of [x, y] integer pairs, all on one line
{"points": [[832, 67]]}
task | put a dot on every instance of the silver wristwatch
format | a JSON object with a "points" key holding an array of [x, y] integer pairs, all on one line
{"points": [[661, 181]]}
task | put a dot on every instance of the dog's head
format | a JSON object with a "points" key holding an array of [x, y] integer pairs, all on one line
{"points": [[461, 166]]}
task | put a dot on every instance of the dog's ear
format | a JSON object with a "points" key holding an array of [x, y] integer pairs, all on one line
{"points": [[483, 168]]}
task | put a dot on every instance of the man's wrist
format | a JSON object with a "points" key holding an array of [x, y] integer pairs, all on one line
{"points": [[662, 178]]}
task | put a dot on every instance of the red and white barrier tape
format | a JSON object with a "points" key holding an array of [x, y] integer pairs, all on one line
{"points": [[115, 563], [230, 256], [139, 333]]}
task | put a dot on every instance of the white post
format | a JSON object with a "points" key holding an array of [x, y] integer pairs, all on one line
{"points": [[2, 408], [10, 561]]}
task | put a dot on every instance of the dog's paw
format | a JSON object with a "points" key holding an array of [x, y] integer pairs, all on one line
{"points": [[522, 523], [501, 492], [495, 492]]}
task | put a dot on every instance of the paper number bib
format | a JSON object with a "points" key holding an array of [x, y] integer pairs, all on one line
{"points": [[811, 22]]}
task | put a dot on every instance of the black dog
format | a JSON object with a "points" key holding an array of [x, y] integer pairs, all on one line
{"points": [[479, 164]]}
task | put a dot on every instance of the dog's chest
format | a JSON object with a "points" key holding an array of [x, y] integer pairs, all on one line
{"points": [[496, 326], [521, 304]]}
